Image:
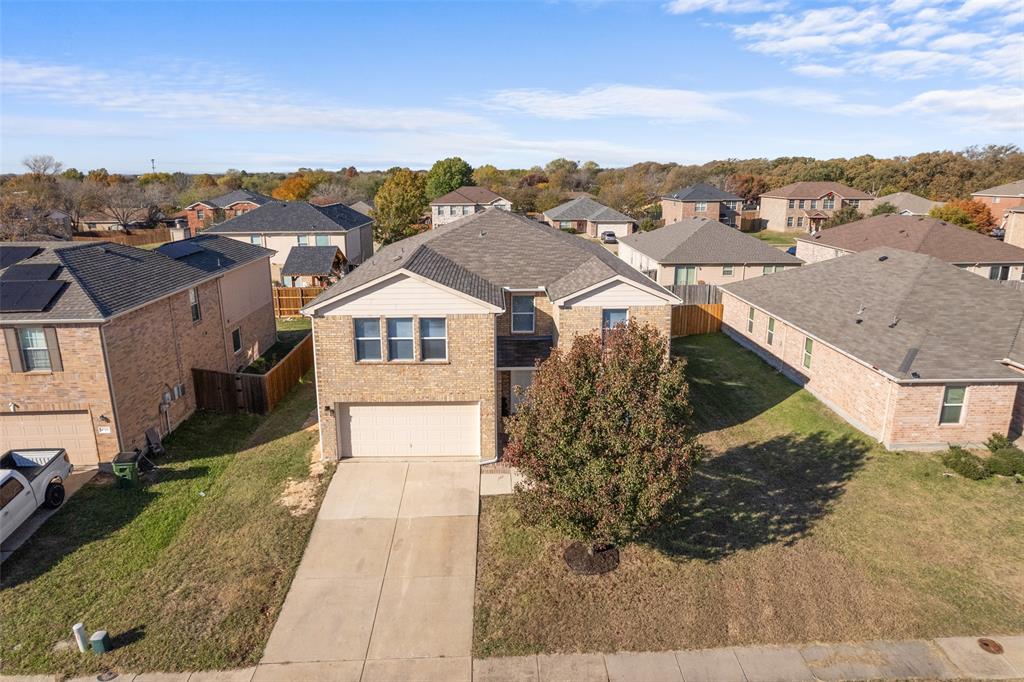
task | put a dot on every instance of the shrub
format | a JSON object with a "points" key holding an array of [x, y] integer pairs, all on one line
{"points": [[965, 463], [998, 442], [1006, 461]]}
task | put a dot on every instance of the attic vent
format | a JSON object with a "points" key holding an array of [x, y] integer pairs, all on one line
{"points": [[895, 321], [482, 233], [883, 258]]}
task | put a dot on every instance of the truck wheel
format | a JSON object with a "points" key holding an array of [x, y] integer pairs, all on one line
{"points": [[54, 496]]}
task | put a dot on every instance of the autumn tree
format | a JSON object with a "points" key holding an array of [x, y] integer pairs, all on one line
{"points": [[969, 213], [605, 439], [42, 165], [72, 174], [447, 175], [884, 208], [293, 188], [846, 214], [398, 206], [79, 197], [125, 203]]}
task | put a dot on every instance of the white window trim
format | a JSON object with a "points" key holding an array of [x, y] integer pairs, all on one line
{"points": [[727, 271], [750, 319], [23, 350], [532, 314], [943, 404], [603, 310], [433, 338], [236, 330], [412, 326], [807, 356], [194, 306], [356, 339], [769, 334]]}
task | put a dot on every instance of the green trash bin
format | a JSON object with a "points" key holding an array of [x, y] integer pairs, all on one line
{"points": [[126, 469]]}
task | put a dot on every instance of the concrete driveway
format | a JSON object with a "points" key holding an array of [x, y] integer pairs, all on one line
{"points": [[75, 481], [385, 588]]}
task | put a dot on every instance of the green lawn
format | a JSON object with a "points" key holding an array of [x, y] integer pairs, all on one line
{"points": [[290, 331], [186, 573], [798, 528], [778, 238]]}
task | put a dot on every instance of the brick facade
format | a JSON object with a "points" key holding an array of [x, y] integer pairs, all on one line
{"points": [[543, 323], [672, 211], [211, 215], [775, 212], [467, 376], [901, 416]]}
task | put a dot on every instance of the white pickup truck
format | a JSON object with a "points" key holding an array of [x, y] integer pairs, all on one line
{"points": [[30, 479]]}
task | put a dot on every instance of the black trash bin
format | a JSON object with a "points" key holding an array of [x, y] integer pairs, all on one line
{"points": [[126, 469]]}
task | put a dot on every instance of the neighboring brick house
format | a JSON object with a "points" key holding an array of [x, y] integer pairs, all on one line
{"points": [[807, 205], [910, 350], [281, 225], [465, 201], [701, 251], [1013, 227], [588, 216], [964, 248], [908, 204], [98, 339], [201, 215], [702, 201], [418, 350], [1002, 198]]}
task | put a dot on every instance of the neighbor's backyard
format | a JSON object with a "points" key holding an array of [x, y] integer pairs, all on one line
{"points": [[797, 528], [187, 572]]}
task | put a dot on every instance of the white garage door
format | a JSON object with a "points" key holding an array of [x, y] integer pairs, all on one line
{"points": [[69, 430], [409, 430]]}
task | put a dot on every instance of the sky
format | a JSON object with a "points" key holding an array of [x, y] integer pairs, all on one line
{"points": [[273, 86]]}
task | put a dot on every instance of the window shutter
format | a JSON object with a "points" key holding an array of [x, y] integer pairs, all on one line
{"points": [[13, 351], [53, 348]]}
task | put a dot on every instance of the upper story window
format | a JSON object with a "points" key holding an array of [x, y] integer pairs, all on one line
{"points": [[686, 274], [193, 304], [400, 338], [200, 214], [613, 317], [731, 205], [524, 314], [792, 203], [814, 203], [700, 206], [35, 356], [808, 351], [303, 239], [952, 404], [999, 272], [238, 212], [466, 210], [433, 338], [236, 340], [853, 202], [750, 320], [803, 204], [726, 271], [323, 240], [256, 239], [828, 202], [995, 200], [367, 338], [769, 269]]}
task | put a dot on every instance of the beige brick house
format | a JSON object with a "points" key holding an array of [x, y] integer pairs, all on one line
{"points": [[586, 215], [953, 244], [702, 201], [465, 201], [701, 251], [807, 205], [418, 350], [910, 350], [283, 225], [98, 340]]}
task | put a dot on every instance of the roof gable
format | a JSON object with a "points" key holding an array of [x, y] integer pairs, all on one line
{"points": [[702, 241]]}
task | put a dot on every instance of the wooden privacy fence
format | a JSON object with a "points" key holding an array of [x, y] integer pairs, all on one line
{"points": [[693, 294], [126, 237], [256, 393], [701, 318], [288, 301]]}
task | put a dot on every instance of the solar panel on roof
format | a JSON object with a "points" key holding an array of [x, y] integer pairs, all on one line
{"points": [[27, 297], [9, 255], [178, 250], [34, 272]]}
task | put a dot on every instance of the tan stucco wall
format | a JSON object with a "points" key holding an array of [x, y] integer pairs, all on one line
{"points": [[712, 274], [774, 211]]}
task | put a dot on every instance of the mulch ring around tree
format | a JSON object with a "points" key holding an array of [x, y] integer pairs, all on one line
{"points": [[581, 560]]}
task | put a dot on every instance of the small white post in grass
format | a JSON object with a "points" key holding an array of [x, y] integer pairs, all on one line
{"points": [[79, 630]]}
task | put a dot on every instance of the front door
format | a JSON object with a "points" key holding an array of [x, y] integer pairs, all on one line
{"points": [[521, 380]]}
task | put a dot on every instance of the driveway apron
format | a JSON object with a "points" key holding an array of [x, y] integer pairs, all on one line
{"points": [[389, 571]]}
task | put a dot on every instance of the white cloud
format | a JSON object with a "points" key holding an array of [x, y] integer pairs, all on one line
{"points": [[960, 41], [818, 71], [614, 101], [985, 108], [816, 30], [724, 6]]}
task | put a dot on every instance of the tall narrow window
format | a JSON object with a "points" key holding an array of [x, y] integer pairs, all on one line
{"points": [[750, 320], [35, 356], [236, 340], [523, 315], [770, 336], [792, 203], [789, 221], [193, 304], [952, 404], [433, 338], [367, 338], [808, 350], [200, 215], [803, 203], [400, 338]]}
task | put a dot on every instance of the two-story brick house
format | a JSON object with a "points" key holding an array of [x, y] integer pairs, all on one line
{"points": [[1001, 199], [807, 205], [911, 350], [282, 225], [702, 200], [953, 244], [200, 215], [419, 349], [99, 340], [465, 201]]}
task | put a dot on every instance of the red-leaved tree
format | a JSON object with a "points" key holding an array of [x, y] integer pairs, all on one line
{"points": [[604, 436]]}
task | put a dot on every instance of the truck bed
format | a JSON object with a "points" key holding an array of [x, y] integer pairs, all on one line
{"points": [[28, 462]]}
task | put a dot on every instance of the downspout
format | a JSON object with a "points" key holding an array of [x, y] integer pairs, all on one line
{"points": [[110, 386]]}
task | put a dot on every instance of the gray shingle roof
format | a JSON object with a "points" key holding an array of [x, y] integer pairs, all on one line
{"points": [[920, 234], [950, 325], [105, 279], [310, 260], [905, 201], [484, 252], [816, 190], [292, 216], [225, 200], [702, 192], [698, 241], [586, 208], [1010, 189]]}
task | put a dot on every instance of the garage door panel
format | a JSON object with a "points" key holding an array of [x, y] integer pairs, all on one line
{"points": [[409, 430], [69, 430]]}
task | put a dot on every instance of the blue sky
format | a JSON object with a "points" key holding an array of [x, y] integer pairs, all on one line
{"points": [[274, 86]]}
